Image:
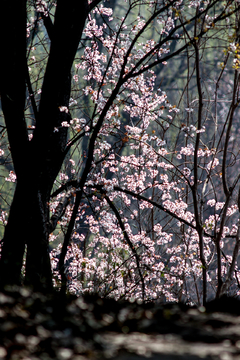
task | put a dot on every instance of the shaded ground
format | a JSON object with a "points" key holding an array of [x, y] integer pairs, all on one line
{"points": [[34, 326]]}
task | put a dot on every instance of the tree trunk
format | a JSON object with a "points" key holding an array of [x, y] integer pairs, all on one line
{"points": [[27, 225], [36, 162], [14, 241], [38, 266]]}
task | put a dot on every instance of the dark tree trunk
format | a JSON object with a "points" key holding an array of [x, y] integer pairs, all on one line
{"points": [[26, 229], [38, 266], [36, 162], [12, 90], [14, 241]]}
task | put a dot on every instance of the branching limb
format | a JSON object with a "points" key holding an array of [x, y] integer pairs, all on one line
{"points": [[31, 93], [130, 244], [195, 185], [154, 203], [229, 279], [66, 242], [93, 4], [60, 210], [48, 25], [67, 186], [232, 109]]}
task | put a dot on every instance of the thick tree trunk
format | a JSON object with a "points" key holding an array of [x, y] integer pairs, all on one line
{"points": [[38, 162], [26, 230], [38, 267], [14, 242]]}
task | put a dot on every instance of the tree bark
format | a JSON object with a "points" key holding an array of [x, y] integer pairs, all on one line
{"points": [[27, 227], [13, 242], [36, 162]]}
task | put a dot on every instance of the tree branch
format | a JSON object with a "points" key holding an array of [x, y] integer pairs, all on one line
{"points": [[48, 25], [31, 93], [93, 4], [13, 81], [132, 73], [229, 279], [195, 170], [69, 184], [130, 244], [60, 210]]}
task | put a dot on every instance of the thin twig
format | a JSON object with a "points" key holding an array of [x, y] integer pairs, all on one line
{"points": [[130, 244]]}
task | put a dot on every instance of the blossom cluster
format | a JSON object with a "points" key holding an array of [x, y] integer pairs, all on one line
{"points": [[136, 225], [157, 177]]}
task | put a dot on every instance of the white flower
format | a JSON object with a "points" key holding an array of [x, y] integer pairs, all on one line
{"points": [[233, 47], [12, 177], [72, 102], [83, 121], [201, 130], [212, 164], [75, 78], [211, 202], [63, 109], [72, 162], [65, 124], [160, 142]]}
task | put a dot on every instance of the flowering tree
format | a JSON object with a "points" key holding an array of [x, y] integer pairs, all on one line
{"points": [[137, 197]]}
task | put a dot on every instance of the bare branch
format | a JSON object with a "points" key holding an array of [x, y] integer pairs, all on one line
{"points": [[93, 4], [60, 210], [132, 247]]}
